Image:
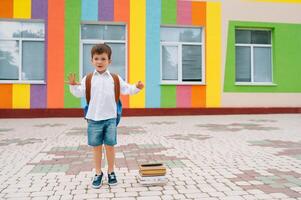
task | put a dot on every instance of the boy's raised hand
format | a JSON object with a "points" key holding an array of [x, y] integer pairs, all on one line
{"points": [[139, 85], [71, 79]]}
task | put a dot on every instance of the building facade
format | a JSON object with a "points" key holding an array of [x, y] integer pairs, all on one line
{"points": [[189, 54]]}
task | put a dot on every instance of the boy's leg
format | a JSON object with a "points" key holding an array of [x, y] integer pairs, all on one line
{"points": [[97, 152], [110, 152], [110, 139], [95, 139]]}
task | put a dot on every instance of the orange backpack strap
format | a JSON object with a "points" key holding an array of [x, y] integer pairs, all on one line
{"points": [[116, 87], [88, 87]]}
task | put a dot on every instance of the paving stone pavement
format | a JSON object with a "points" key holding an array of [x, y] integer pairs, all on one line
{"points": [[207, 157]]}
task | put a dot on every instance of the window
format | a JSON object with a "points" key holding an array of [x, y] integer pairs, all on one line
{"points": [[114, 36], [182, 57], [253, 56], [22, 52]]}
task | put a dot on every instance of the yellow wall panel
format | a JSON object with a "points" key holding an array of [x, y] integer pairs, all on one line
{"points": [[213, 54], [22, 9], [137, 50], [21, 96]]}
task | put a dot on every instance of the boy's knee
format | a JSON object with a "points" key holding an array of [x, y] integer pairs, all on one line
{"points": [[97, 148]]}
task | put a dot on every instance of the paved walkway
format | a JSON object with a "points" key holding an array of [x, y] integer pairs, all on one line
{"points": [[207, 157]]}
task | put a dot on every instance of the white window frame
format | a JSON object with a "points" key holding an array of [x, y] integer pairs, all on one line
{"points": [[252, 46], [20, 40], [93, 42], [180, 45]]}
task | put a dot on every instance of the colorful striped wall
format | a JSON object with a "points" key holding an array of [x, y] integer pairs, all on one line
{"points": [[23, 95], [142, 19], [207, 15]]}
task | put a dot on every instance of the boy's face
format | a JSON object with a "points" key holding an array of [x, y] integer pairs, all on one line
{"points": [[101, 62]]}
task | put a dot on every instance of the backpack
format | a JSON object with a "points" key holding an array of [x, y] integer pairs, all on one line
{"points": [[117, 95]]}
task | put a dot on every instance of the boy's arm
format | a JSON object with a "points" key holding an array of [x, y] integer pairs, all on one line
{"points": [[126, 88], [78, 90]]}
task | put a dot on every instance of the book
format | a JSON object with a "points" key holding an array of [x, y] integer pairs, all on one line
{"points": [[151, 164], [152, 167], [152, 180], [153, 173]]}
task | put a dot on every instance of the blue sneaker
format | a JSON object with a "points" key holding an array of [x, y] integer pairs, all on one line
{"points": [[112, 180], [97, 181]]}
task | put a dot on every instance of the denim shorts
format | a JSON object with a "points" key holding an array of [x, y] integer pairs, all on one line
{"points": [[102, 132]]}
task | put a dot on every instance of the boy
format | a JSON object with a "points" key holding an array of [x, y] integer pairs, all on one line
{"points": [[101, 115]]}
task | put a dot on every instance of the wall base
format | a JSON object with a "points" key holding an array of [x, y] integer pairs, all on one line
{"points": [[77, 112]]}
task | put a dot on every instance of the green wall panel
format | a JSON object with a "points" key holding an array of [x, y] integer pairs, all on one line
{"points": [[169, 12], [168, 16], [168, 96], [72, 27], [286, 52]]}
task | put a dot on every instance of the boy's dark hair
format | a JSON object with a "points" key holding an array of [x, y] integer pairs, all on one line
{"points": [[101, 48]]}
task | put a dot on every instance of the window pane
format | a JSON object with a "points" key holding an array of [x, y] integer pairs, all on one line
{"points": [[91, 31], [33, 62], [243, 36], [243, 64], [87, 65], [114, 32], [103, 32], [173, 34], [118, 59], [170, 62], [10, 29], [190, 35], [192, 63], [262, 64], [169, 34], [33, 30], [9, 60], [261, 37]]}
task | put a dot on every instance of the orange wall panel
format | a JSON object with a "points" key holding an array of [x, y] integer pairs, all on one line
{"points": [[6, 8], [198, 13], [55, 71], [6, 91], [198, 96]]}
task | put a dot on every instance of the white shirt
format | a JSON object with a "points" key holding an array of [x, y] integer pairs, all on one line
{"points": [[102, 104]]}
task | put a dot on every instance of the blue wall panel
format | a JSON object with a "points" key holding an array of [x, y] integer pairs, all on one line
{"points": [[153, 20], [89, 10]]}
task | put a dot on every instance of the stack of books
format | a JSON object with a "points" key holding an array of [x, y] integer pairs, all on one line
{"points": [[152, 174]]}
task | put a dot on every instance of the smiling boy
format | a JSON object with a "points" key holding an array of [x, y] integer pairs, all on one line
{"points": [[101, 115]]}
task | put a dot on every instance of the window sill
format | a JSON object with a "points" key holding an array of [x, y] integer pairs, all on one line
{"points": [[254, 84], [23, 82]]}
